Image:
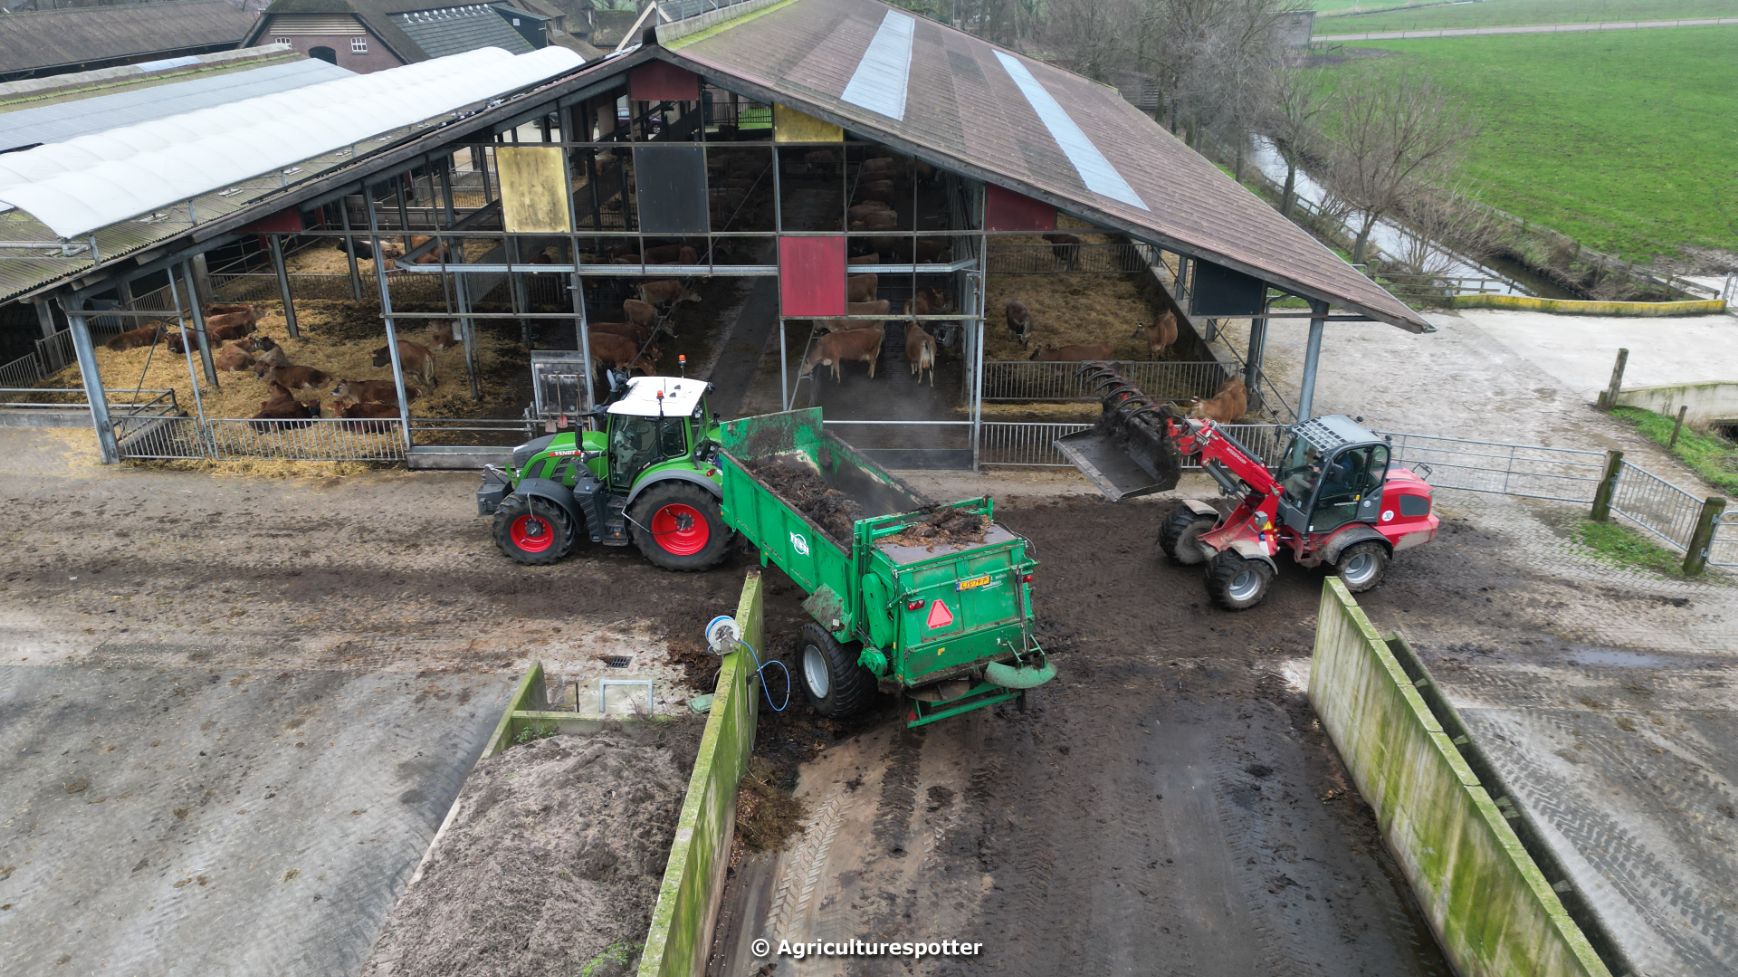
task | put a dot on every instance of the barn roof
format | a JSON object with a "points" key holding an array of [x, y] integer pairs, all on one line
{"points": [[964, 103], [415, 30], [44, 40], [69, 118]]}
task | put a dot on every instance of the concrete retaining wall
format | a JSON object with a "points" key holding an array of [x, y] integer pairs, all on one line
{"points": [[681, 932], [1491, 908], [1529, 303], [1707, 402]]}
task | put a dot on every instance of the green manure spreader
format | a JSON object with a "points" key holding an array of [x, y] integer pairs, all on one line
{"points": [[929, 601]]}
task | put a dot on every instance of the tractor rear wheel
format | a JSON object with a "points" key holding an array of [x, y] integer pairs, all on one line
{"points": [[836, 685], [1235, 583], [1362, 566], [533, 531], [1178, 535], [679, 526]]}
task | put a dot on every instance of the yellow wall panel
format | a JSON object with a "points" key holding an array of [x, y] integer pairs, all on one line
{"points": [[533, 190], [789, 125]]}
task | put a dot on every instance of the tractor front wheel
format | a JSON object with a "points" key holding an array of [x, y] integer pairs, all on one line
{"points": [[836, 685], [1235, 583], [679, 526], [533, 531], [1178, 535], [1362, 566]]}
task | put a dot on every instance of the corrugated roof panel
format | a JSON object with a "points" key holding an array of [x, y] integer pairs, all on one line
{"points": [[455, 30], [63, 121], [94, 181], [1095, 171], [879, 82]]}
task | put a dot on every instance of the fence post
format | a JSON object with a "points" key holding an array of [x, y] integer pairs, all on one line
{"points": [[1702, 537], [1677, 427], [1608, 399], [1607, 489]]}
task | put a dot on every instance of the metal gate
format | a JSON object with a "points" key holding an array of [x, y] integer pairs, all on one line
{"points": [[1723, 549], [1527, 470]]}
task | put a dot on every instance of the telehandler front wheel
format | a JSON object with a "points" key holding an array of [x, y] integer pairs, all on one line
{"points": [[679, 526], [1235, 583], [1363, 565], [1178, 535], [836, 685], [533, 531]]}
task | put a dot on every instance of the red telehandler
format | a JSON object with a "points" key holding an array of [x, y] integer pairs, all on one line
{"points": [[1334, 500]]}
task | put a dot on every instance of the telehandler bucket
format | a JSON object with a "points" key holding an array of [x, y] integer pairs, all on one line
{"points": [[1126, 453]]}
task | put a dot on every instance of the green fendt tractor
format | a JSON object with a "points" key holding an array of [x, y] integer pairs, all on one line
{"points": [[650, 478]]}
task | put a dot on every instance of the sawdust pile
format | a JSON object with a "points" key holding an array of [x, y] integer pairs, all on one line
{"points": [[551, 863]]}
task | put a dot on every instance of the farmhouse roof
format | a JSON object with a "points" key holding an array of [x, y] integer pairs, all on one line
{"points": [[414, 30], [43, 40], [961, 102]]}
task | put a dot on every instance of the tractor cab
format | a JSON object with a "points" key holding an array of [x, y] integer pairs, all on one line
{"points": [[657, 420], [1332, 474]]}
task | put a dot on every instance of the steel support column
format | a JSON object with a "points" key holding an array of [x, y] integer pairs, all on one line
{"points": [[1252, 361], [350, 249], [1306, 397], [187, 348], [195, 300], [276, 241], [462, 298], [44, 318], [107, 446], [391, 330]]}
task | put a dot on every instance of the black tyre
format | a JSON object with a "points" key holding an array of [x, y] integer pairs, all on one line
{"points": [[1235, 583], [836, 685], [1362, 566], [1178, 534], [679, 526], [533, 531]]}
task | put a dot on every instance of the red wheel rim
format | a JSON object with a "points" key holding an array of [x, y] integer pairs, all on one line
{"points": [[680, 529], [532, 534]]}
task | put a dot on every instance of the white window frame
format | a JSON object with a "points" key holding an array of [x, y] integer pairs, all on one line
{"points": [[359, 45], [281, 40]]}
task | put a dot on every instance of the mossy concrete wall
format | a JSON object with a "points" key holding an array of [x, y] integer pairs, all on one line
{"points": [[688, 898], [1491, 908], [1530, 303], [1706, 402]]}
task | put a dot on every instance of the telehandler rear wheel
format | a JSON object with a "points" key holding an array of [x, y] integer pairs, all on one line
{"points": [[679, 526], [533, 531], [1235, 583], [1178, 535], [836, 685]]}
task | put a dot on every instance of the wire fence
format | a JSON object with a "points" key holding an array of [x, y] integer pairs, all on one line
{"points": [[1529, 471], [1032, 444], [1085, 258], [1723, 549], [1039, 380]]}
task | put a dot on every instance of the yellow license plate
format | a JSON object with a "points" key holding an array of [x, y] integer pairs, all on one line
{"points": [[974, 582]]}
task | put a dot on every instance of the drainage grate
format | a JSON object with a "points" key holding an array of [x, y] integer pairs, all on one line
{"points": [[617, 661]]}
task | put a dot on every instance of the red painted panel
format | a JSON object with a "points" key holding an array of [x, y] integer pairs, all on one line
{"points": [[811, 276], [286, 221], [660, 81], [1005, 210]]}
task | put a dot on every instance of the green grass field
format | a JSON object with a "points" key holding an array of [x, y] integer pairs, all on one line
{"points": [[1625, 141], [1346, 16]]}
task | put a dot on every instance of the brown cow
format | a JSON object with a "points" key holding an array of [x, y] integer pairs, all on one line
{"points": [[932, 249], [928, 301], [443, 335], [232, 325], [370, 392], [672, 254], [225, 308], [416, 359], [920, 351], [266, 350], [616, 352], [1161, 333], [282, 406], [1065, 248], [366, 409], [1227, 405], [235, 356], [1019, 321], [880, 220], [667, 291], [867, 259], [1084, 351], [433, 256], [860, 211], [638, 333], [292, 377], [640, 313], [134, 338], [835, 348], [861, 288]]}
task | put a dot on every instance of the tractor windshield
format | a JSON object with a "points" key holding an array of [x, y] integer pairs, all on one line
{"points": [[1300, 471]]}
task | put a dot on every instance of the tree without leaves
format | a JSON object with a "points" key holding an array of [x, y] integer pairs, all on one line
{"points": [[1294, 123], [1393, 139]]}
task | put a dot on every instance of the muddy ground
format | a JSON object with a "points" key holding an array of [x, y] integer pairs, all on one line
{"points": [[1167, 805], [550, 862]]}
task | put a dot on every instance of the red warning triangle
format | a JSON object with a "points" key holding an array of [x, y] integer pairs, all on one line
{"points": [[939, 615]]}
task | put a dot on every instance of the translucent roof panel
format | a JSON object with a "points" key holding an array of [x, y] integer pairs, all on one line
{"points": [[92, 181]]}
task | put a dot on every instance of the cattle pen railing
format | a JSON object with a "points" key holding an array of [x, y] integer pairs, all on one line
{"points": [[1051, 380]]}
